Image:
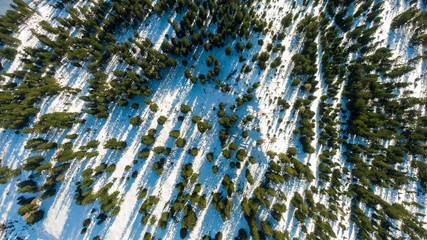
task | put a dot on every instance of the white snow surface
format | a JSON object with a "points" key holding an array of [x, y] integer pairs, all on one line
{"points": [[63, 218]]}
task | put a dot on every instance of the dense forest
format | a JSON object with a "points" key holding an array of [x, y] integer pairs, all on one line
{"points": [[213, 119]]}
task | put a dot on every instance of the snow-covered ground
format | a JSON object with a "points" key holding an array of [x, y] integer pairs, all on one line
{"points": [[63, 218]]}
